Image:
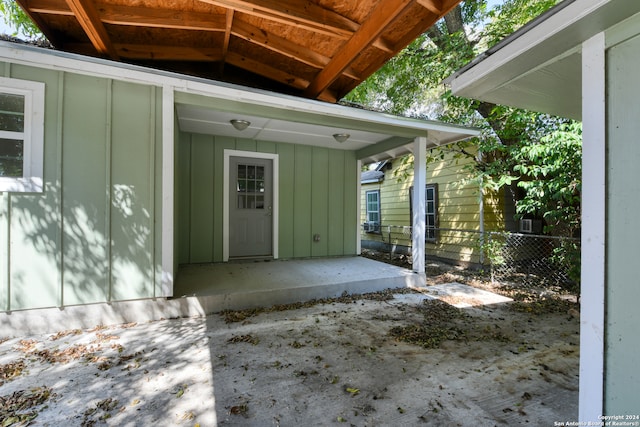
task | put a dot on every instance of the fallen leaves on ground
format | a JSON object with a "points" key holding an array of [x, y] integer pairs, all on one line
{"points": [[62, 334], [21, 406], [544, 306], [73, 352], [101, 411], [11, 370], [231, 316], [241, 409], [244, 338]]}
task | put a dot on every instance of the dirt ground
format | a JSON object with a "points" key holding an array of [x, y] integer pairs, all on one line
{"points": [[396, 358]]}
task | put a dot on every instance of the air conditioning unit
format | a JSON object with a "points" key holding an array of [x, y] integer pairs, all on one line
{"points": [[530, 226], [371, 227]]}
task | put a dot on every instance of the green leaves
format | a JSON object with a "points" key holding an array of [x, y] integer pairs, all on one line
{"points": [[14, 15]]}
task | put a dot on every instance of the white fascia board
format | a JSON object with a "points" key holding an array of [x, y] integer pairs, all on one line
{"points": [[551, 38]]}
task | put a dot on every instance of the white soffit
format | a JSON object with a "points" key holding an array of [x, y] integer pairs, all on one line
{"points": [[540, 69], [195, 119]]}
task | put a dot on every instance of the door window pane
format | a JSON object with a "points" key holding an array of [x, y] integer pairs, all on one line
{"points": [[251, 183]]}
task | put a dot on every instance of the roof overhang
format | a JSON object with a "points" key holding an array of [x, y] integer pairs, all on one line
{"points": [[206, 107], [539, 67], [315, 49]]}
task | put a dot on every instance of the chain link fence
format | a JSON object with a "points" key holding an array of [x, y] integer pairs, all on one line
{"points": [[515, 258], [533, 260]]}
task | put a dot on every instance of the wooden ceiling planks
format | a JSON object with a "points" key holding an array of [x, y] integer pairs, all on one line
{"points": [[314, 48]]}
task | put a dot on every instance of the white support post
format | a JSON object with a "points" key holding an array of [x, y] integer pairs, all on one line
{"points": [[591, 390], [419, 185], [168, 206]]}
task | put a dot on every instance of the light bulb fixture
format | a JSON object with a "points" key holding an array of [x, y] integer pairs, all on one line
{"points": [[341, 137], [239, 124]]}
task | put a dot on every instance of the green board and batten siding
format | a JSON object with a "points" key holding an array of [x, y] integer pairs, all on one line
{"points": [[316, 188], [93, 235]]}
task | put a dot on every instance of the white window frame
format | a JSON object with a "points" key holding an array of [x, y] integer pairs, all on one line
{"points": [[31, 180], [378, 211], [430, 231]]}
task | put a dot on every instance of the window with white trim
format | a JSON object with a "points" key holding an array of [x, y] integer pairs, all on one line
{"points": [[21, 135], [373, 211], [430, 211]]}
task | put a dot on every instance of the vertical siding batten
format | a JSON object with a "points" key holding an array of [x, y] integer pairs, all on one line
{"points": [[167, 154], [151, 144], [59, 173], [109, 190]]}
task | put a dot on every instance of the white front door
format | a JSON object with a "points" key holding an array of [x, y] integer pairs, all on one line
{"points": [[250, 207]]}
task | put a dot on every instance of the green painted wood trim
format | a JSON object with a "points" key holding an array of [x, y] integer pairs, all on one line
{"points": [[382, 146]]}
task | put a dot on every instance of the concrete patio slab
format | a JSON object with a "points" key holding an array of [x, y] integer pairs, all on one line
{"points": [[464, 296], [208, 288]]}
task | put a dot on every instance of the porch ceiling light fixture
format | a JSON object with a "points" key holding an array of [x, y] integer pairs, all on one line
{"points": [[239, 124], [341, 137]]}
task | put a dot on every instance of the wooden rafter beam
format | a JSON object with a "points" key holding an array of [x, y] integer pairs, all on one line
{"points": [[140, 16], [278, 44], [88, 17], [384, 13], [303, 14], [433, 6], [266, 70], [227, 32]]}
